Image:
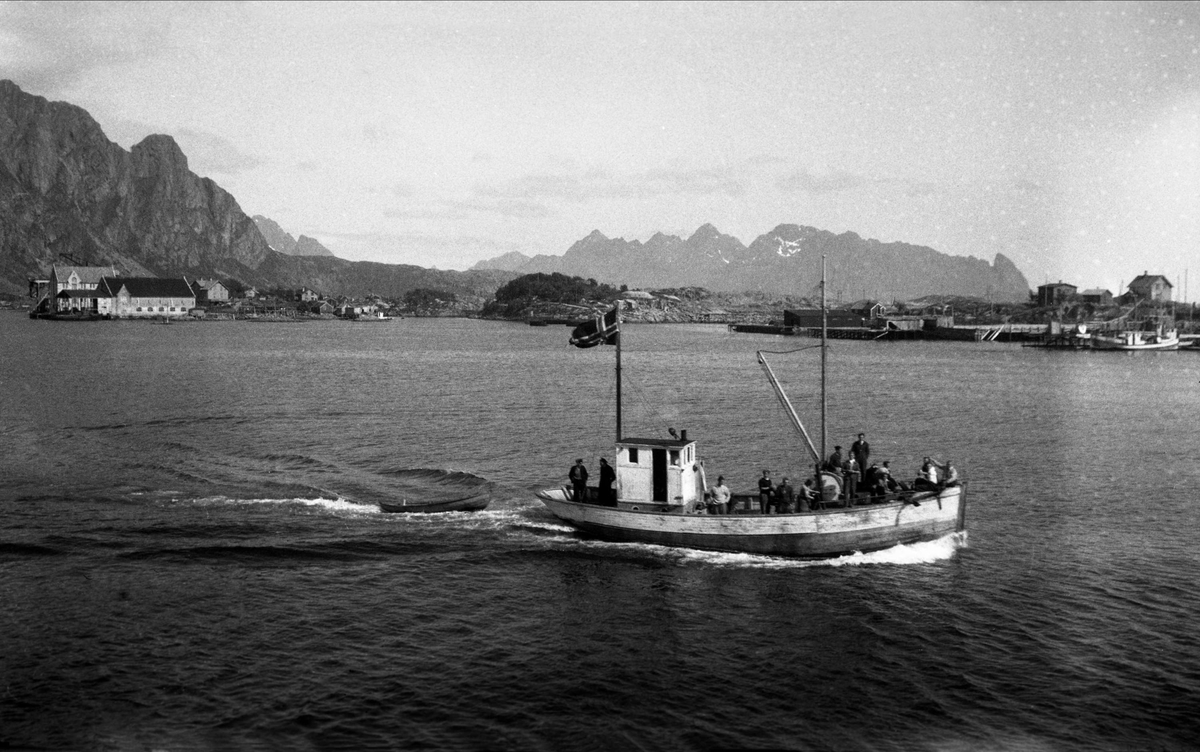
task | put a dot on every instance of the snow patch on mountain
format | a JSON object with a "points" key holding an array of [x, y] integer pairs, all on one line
{"points": [[788, 248]]}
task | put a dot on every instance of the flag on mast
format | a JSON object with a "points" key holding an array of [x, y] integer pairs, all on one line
{"points": [[602, 330]]}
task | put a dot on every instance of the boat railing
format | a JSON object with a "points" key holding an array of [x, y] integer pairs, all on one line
{"points": [[747, 502]]}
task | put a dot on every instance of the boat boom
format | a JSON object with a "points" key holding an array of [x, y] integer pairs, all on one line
{"points": [[787, 405]]}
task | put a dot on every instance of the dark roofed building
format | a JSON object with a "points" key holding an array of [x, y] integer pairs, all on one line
{"points": [[147, 297], [1097, 297], [869, 309], [1152, 287], [210, 290], [1055, 293], [86, 278]]}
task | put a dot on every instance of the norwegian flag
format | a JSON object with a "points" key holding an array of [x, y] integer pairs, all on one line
{"points": [[602, 330]]}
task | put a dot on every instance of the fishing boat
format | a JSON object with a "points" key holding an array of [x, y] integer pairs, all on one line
{"points": [[473, 503], [661, 486], [366, 317], [1156, 337]]}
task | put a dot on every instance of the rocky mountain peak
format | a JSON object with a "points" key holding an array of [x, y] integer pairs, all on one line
{"points": [[158, 153], [704, 232]]}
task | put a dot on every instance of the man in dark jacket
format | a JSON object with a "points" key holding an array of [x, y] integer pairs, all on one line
{"points": [[861, 451], [836, 462], [765, 492], [608, 477]]}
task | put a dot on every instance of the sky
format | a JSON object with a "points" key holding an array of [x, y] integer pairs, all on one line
{"points": [[1065, 136]]}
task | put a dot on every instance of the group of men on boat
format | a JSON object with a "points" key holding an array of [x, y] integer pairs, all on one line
{"points": [[856, 486]]}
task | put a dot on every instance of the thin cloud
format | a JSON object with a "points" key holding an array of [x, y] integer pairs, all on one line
{"points": [[596, 185], [49, 47], [505, 207], [448, 209], [805, 181], [452, 251], [210, 153]]}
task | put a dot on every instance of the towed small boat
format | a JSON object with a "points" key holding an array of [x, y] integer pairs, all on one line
{"points": [[660, 489], [472, 503]]}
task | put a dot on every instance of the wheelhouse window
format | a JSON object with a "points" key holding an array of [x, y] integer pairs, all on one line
{"points": [[633, 455]]}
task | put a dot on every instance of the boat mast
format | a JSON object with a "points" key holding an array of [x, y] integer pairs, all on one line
{"points": [[618, 374], [787, 405], [824, 353]]}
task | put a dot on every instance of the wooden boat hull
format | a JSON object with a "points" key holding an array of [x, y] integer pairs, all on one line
{"points": [[1134, 341], [810, 535], [466, 504]]}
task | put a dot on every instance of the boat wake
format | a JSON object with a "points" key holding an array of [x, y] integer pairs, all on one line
{"points": [[333, 505], [358, 493]]}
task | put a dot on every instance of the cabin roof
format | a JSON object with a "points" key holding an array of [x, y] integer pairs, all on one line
{"points": [[675, 443]]}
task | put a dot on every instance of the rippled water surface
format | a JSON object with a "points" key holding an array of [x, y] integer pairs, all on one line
{"points": [[192, 554]]}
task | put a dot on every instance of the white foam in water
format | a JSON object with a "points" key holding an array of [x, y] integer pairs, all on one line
{"points": [[915, 553], [336, 505]]}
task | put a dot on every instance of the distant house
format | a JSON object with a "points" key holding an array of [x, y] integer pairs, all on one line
{"points": [[1055, 293], [631, 300], [77, 278], [131, 297], [210, 291], [1097, 297], [147, 297], [308, 296], [320, 306], [82, 301], [1151, 287], [868, 309], [251, 293]]}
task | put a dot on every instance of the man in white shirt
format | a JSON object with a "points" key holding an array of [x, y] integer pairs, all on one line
{"points": [[720, 497]]}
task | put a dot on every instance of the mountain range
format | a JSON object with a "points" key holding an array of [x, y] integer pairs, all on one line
{"points": [[70, 195], [784, 261]]}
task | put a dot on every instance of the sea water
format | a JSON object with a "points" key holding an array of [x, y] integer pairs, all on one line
{"points": [[192, 555]]}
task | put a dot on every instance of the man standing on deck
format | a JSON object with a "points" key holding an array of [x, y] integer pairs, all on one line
{"points": [[861, 451], [720, 497], [850, 477], [579, 476], [765, 488], [785, 497], [836, 462], [607, 478]]}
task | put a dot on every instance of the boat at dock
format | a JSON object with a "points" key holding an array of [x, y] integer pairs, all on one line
{"points": [[1158, 337], [369, 317], [660, 490]]}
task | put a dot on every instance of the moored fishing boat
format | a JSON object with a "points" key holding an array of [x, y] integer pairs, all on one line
{"points": [[660, 489], [369, 317], [1158, 337]]}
